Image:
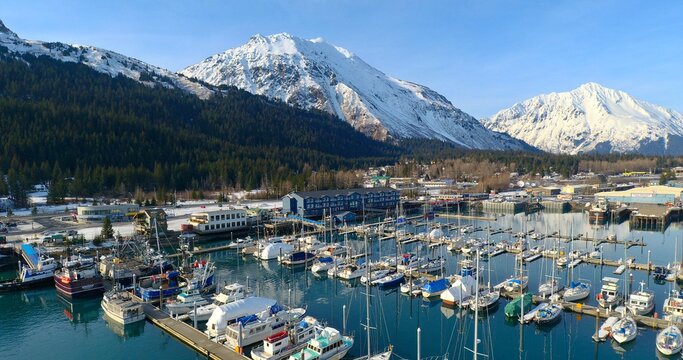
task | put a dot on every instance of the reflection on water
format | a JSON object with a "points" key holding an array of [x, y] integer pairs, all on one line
{"points": [[80, 311], [125, 331]]}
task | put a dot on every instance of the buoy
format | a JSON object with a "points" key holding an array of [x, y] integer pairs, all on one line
{"points": [[656, 315]]}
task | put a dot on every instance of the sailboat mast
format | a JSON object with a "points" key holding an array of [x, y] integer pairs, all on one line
{"points": [[367, 295], [476, 310]]}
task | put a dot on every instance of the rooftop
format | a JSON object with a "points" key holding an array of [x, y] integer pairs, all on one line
{"points": [[361, 191], [647, 190]]}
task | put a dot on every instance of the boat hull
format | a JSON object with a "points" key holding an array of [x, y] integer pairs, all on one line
{"points": [[79, 288]]}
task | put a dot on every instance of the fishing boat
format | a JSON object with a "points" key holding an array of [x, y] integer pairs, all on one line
{"points": [[296, 258], [669, 341], [227, 294], [514, 308], [168, 285], [390, 280], [186, 301], [250, 329], [323, 264], [609, 295], [120, 307], [28, 278], [79, 281], [641, 302], [230, 312], [435, 288], [285, 342], [624, 330], [467, 268], [329, 344]]}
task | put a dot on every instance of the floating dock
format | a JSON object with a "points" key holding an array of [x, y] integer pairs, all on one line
{"points": [[189, 336]]}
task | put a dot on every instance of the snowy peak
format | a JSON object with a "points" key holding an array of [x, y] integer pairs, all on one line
{"points": [[101, 60], [592, 118], [5, 30], [314, 74]]}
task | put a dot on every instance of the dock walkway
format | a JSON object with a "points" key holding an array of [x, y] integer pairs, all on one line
{"points": [[189, 336]]}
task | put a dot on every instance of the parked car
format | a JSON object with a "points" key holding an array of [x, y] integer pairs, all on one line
{"points": [[72, 233]]}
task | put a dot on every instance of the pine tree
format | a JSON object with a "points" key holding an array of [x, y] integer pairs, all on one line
{"points": [[107, 229]]}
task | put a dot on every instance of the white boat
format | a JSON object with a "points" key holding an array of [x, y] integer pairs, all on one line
{"points": [[577, 290], [337, 268], [333, 250], [605, 329], [242, 243], [549, 287], [673, 306], [186, 301], [433, 265], [254, 328], [352, 272], [595, 254], [272, 251], [119, 306], [460, 292], [410, 262], [329, 344], [413, 285], [284, 343], [322, 264], [374, 275], [562, 261], [669, 341], [487, 299], [538, 249], [531, 315], [230, 312], [228, 294], [390, 280], [549, 314], [624, 330], [641, 302], [609, 295], [514, 283]]}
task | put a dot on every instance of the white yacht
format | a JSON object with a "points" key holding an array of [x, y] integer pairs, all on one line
{"points": [[230, 312], [242, 243], [673, 306], [670, 340], [322, 264], [274, 250], [641, 302], [351, 272], [286, 342], [624, 330], [329, 344], [609, 295], [577, 290], [228, 294], [253, 328], [120, 307], [549, 287], [187, 301]]}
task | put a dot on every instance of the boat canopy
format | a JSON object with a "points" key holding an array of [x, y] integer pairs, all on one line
{"points": [[436, 285]]}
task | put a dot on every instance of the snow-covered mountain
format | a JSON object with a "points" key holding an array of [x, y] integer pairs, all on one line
{"points": [[313, 74], [592, 118], [101, 60]]}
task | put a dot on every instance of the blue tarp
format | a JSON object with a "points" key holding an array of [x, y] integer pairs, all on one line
{"points": [[436, 285], [31, 255], [326, 259]]}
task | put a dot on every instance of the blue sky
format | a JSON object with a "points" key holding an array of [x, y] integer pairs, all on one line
{"points": [[482, 55]]}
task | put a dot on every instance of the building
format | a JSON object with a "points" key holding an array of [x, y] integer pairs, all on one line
{"points": [[122, 212], [146, 219], [315, 203], [219, 221], [643, 195], [578, 189], [6, 203]]}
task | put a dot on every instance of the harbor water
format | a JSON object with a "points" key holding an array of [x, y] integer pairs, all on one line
{"points": [[39, 324]]}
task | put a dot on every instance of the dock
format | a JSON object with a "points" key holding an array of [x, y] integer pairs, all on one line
{"points": [[188, 335]]}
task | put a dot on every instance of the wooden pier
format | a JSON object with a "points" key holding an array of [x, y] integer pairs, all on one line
{"points": [[189, 336]]}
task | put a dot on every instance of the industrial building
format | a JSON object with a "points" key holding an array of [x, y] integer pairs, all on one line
{"points": [[122, 212], [315, 203], [659, 194]]}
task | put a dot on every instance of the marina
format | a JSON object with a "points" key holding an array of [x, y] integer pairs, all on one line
{"points": [[326, 297]]}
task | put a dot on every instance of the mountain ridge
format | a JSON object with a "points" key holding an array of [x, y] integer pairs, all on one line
{"points": [[314, 74], [592, 119]]}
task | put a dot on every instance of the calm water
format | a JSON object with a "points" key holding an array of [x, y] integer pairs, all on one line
{"points": [[38, 324]]}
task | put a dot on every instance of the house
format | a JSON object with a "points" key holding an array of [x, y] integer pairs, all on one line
{"points": [[344, 217], [122, 212], [316, 203], [147, 219]]}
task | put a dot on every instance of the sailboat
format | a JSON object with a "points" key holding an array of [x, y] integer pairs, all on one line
{"points": [[670, 340], [551, 286], [576, 289], [624, 330], [515, 308], [487, 297]]}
